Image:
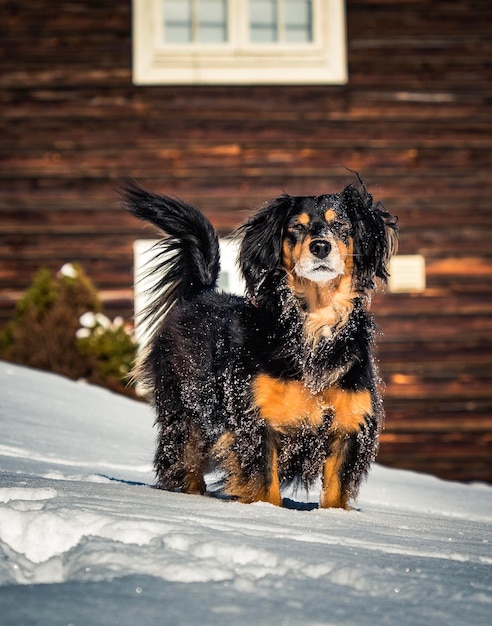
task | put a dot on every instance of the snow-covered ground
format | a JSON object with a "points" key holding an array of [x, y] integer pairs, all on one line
{"points": [[85, 540]]}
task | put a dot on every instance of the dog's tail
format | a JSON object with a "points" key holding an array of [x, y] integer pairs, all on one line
{"points": [[187, 257]]}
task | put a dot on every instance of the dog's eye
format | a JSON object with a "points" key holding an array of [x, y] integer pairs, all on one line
{"points": [[339, 227], [298, 228]]}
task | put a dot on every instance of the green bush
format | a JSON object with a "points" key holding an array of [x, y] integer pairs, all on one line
{"points": [[45, 331], [109, 346]]}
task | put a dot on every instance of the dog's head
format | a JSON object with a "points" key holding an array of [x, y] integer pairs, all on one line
{"points": [[319, 239]]}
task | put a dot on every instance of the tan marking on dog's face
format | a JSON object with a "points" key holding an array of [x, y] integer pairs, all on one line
{"points": [[330, 216], [304, 219], [290, 253]]}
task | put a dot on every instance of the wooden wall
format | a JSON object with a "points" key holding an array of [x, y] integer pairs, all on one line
{"points": [[414, 120]]}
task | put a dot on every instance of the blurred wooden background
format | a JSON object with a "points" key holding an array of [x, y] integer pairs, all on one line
{"points": [[414, 119]]}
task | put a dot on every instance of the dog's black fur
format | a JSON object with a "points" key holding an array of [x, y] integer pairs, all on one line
{"points": [[280, 385]]}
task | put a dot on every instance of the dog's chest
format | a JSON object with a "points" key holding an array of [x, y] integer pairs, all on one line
{"points": [[289, 404]]}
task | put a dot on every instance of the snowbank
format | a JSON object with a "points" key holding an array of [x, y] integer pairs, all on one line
{"points": [[84, 539]]}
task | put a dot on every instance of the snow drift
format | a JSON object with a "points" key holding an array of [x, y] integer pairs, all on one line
{"points": [[85, 539]]}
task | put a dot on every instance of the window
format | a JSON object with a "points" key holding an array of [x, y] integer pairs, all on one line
{"points": [[287, 21], [239, 42], [194, 21]]}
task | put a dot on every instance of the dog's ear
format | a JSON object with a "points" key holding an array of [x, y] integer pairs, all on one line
{"points": [[260, 253], [374, 232]]}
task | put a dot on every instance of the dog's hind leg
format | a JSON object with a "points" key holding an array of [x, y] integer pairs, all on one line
{"points": [[181, 459], [195, 461]]}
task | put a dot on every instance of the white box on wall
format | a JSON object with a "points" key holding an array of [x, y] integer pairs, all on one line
{"points": [[407, 273]]}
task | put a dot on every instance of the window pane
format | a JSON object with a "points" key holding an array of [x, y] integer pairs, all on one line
{"points": [[212, 21], [298, 22], [263, 21], [178, 26]]}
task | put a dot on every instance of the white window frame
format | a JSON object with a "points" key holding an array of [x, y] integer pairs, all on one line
{"points": [[239, 61]]}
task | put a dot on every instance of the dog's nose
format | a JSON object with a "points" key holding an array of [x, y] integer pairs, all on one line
{"points": [[320, 248]]}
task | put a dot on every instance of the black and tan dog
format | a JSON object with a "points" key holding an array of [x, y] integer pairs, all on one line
{"points": [[281, 385]]}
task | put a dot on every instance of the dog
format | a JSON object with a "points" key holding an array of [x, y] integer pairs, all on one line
{"points": [[279, 386]]}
